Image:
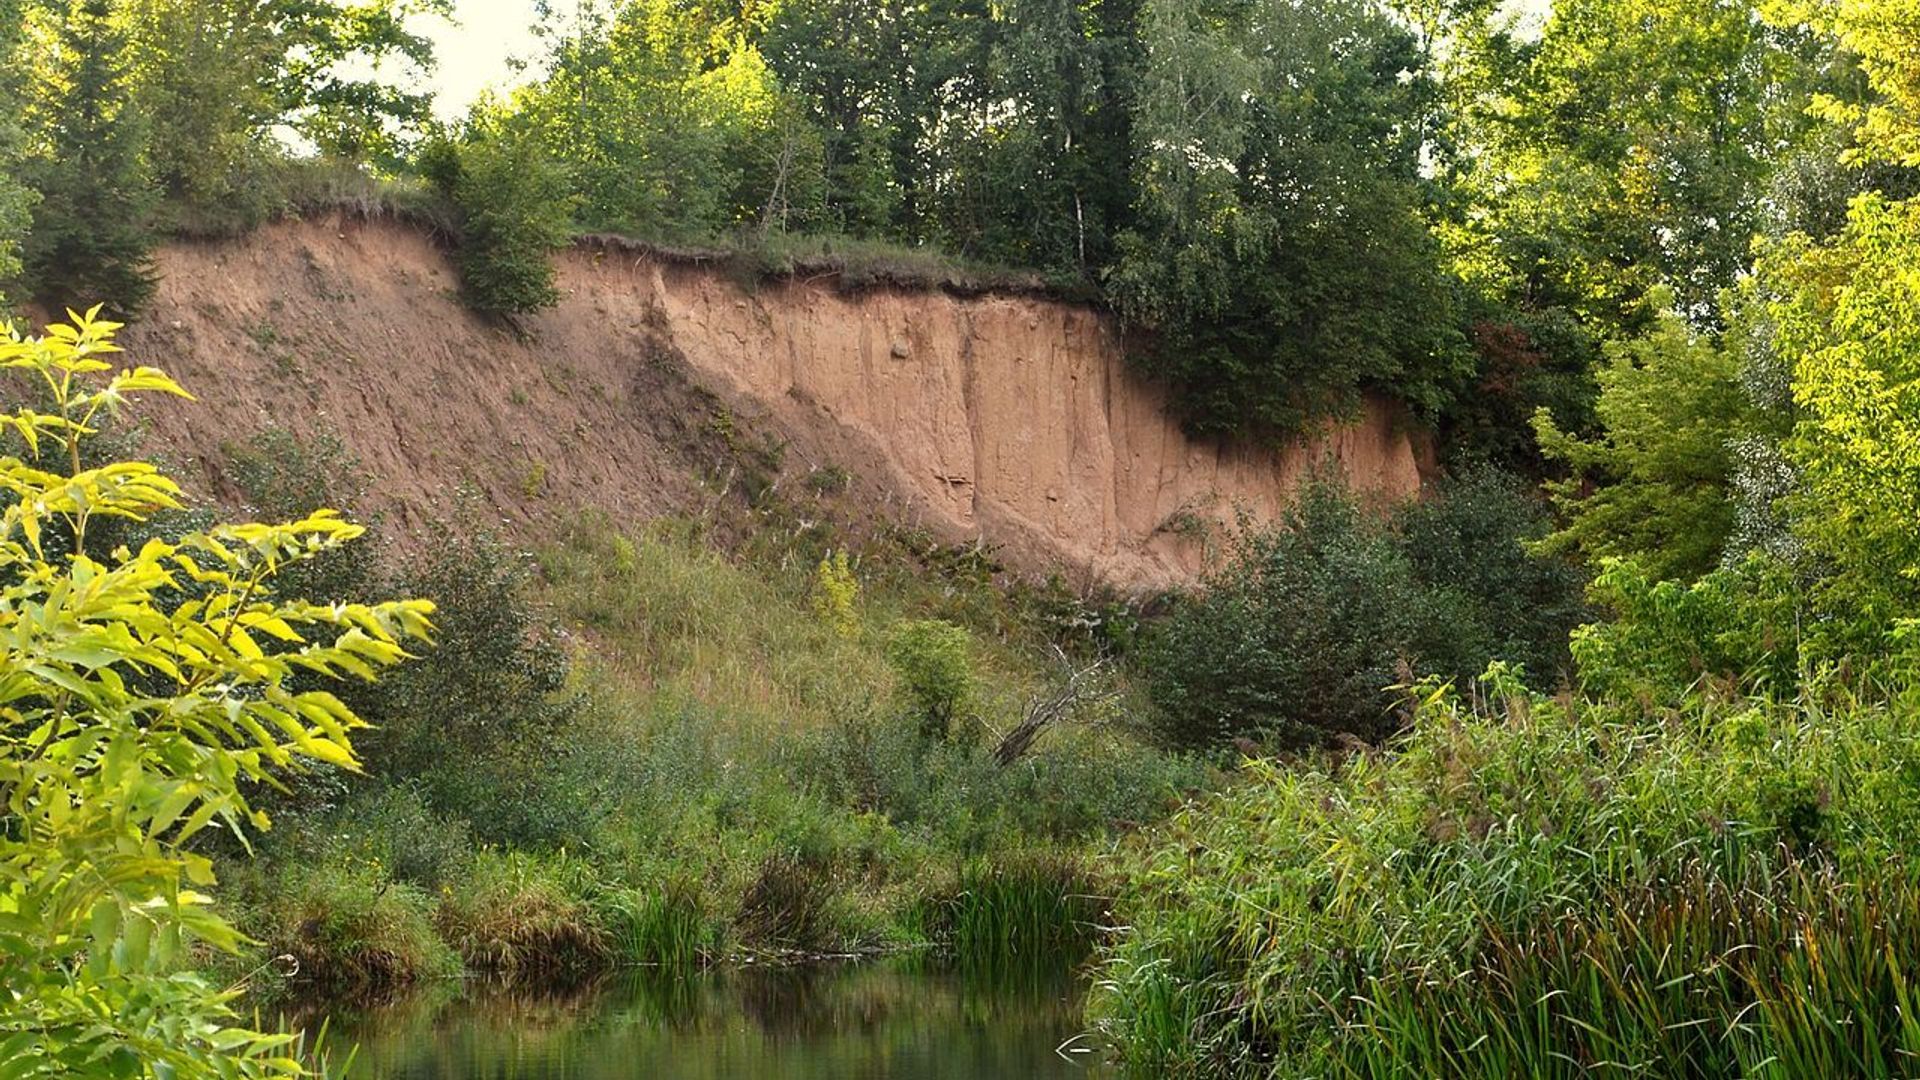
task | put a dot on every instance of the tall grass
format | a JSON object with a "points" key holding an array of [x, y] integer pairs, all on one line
{"points": [[666, 928], [1804, 975], [1033, 913], [345, 924], [741, 777], [519, 914], [1550, 889]]}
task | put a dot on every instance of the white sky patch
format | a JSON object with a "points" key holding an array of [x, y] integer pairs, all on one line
{"points": [[476, 49]]}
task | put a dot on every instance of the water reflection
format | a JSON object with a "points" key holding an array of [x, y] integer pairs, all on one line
{"points": [[889, 1019]]}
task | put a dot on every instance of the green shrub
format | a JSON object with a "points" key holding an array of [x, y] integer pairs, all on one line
{"points": [[1302, 633], [479, 722], [835, 591], [515, 210], [1470, 546], [395, 827], [1295, 639], [932, 659]]}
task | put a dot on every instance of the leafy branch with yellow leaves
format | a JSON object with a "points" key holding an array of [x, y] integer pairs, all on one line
{"points": [[142, 694]]}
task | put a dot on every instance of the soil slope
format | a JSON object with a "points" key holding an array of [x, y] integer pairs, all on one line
{"points": [[654, 386]]}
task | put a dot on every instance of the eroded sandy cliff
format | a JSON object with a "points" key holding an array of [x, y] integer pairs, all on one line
{"points": [[1005, 417]]}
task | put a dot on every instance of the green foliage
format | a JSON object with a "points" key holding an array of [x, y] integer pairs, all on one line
{"points": [[16, 198], [1278, 252], [1348, 918], [1525, 362], [478, 722], [1000, 132], [1302, 633], [1846, 320], [932, 659], [1881, 34], [1668, 642], [147, 691], [1627, 148], [92, 236], [669, 123], [1654, 486], [514, 211]]}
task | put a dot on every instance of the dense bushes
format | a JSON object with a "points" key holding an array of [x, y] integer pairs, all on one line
{"points": [[1302, 633]]}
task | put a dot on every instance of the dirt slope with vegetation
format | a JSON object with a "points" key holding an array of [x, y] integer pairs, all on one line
{"points": [[655, 385]]}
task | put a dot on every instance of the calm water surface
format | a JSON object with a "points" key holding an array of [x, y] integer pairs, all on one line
{"points": [[851, 1021]]}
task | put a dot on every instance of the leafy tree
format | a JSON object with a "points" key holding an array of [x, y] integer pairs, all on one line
{"points": [[1884, 36], [670, 122], [899, 92], [198, 75], [1278, 255], [92, 233], [1847, 319], [1626, 148], [16, 198], [1655, 484], [1842, 316], [1527, 362], [145, 693], [215, 76], [1043, 175]]}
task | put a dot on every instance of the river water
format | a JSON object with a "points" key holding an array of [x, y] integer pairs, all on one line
{"points": [[849, 1021]]}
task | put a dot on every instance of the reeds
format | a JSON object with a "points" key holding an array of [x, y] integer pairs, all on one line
{"points": [[1557, 891], [1805, 975], [518, 915], [667, 928], [1038, 913]]}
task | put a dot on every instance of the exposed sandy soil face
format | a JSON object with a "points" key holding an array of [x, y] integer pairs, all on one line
{"points": [[653, 386]]}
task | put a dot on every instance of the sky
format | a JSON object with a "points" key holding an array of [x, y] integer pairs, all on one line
{"points": [[474, 48]]}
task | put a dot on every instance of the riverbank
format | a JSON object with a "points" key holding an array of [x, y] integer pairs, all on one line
{"points": [[639, 746]]}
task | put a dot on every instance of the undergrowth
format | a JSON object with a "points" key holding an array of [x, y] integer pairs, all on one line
{"points": [[658, 752]]}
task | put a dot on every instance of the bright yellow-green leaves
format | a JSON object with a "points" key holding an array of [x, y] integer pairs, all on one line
{"points": [[1847, 317], [1885, 36], [1654, 486], [142, 692]]}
